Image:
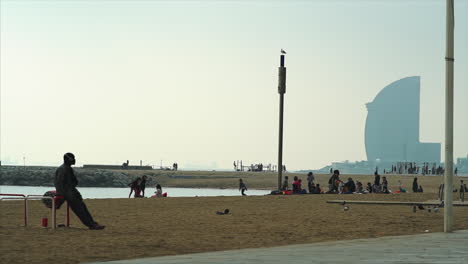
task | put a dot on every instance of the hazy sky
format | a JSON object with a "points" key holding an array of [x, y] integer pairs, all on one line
{"points": [[195, 82]]}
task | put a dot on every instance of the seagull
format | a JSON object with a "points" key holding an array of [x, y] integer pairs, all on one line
{"points": [[283, 52], [345, 207]]}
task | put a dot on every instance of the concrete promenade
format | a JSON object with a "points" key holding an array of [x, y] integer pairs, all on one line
{"points": [[424, 248]]}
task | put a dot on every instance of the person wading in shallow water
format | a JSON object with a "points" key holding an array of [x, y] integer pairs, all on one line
{"points": [[65, 184], [242, 187]]}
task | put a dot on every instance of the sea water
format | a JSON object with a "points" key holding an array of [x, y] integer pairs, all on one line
{"points": [[102, 193]]}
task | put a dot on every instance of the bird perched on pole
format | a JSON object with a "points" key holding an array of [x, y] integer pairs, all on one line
{"points": [[283, 52]]}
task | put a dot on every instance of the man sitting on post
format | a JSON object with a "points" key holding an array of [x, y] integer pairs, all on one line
{"points": [[65, 183]]}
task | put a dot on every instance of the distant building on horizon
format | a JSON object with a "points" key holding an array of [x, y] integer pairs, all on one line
{"points": [[462, 164], [392, 125]]}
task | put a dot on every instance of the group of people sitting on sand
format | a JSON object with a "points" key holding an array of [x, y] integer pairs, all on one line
{"points": [[138, 188], [337, 186], [312, 188]]}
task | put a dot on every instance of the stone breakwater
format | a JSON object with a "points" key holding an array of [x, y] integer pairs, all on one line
{"points": [[116, 167], [44, 176]]}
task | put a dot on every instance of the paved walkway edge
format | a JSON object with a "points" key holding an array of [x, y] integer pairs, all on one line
{"points": [[444, 248]]}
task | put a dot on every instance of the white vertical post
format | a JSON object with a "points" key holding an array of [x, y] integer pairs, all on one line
{"points": [[449, 61]]}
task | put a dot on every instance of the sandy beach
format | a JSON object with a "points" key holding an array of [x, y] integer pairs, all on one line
{"points": [[147, 227], [269, 180]]}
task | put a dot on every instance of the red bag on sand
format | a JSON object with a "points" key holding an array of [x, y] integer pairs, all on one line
{"points": [[165, 194], [288, 192]]}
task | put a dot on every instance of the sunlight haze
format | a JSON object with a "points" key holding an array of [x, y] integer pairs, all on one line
{"points": [[195, 82]]}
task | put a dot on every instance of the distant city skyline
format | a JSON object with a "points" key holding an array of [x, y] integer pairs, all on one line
{"points": [[196, 82]]}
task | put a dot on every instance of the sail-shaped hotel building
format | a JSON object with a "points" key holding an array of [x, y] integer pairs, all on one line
{"points": [[392, 125]]}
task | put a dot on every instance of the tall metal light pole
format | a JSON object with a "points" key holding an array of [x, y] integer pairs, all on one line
{"points": [[449, 61], [281, 91]]}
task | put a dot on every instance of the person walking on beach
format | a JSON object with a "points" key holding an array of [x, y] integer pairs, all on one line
{"points": [[310, 181], [415, 184], [65, 183], [242, 187], [285, 186], [376, 181]]}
